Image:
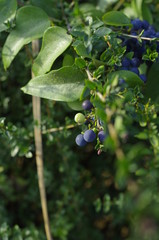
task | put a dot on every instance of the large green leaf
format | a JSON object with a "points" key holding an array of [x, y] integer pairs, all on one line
{"points": [[31, 22], [55, 42], [7, 12], [115, 18], [137, 5], [65, 84], [151, 89], [132, 79]]}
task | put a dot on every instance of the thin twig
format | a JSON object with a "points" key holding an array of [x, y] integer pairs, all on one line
{"points": [[65, 17], [39, 152], [51, 130], [90, 78], [118, 5], [139, 37]]}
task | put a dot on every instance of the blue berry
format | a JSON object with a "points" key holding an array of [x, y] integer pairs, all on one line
{"points": [[102, 136], [125, 62], [89, 135], [125, 68], [87, 105], [80, 140], [145, 24], [137, 24], [135, 62], [143, 77], [150, 33], [135, 70], [157, 34]]}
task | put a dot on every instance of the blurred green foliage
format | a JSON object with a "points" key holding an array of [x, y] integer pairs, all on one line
{"points": [[89, 196]]}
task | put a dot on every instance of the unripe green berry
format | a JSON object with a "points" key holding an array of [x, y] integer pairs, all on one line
{"points": [[79, 118]]}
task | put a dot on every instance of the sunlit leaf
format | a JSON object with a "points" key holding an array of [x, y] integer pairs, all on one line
{"points": [[7, 12], [65, 84], [55, 42], [31, 22]]}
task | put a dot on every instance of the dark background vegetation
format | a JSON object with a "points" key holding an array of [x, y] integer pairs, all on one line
{"points": [[84, 199]]}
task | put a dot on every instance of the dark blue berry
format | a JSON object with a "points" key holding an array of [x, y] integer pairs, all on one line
{"points": [[157, 34], [135, 62], [125, 62], [139, 50], [150, 33], [125, 68], [80, 140], [89, 135], [137, 24], [143, 77], [135, 70], [102, 136], [87, 105], [145, 24]]}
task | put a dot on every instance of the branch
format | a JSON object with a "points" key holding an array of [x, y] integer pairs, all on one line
{"points": [[138, 37], [39, 152], [58, 129]]}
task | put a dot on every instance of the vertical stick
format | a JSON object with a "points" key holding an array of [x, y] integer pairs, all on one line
{"points": [[39, 152]]}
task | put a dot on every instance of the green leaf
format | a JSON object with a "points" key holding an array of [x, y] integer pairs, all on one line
{"points": [[132, 79], [49, 6], [90, 10], [140, 172], [151, 89], [80, 62], [77, 105], [82, 51], [102, 31], [142, 135], [116, 18], [146, 13], [106, 203], [55, 42], [7, 12], [31, 22], [137, 5], [142, 10], [65, 84], [68, 60]]}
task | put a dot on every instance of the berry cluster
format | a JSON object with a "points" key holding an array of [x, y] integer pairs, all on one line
{"points": [[133, 57], [94, 129], [138, 48]]}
